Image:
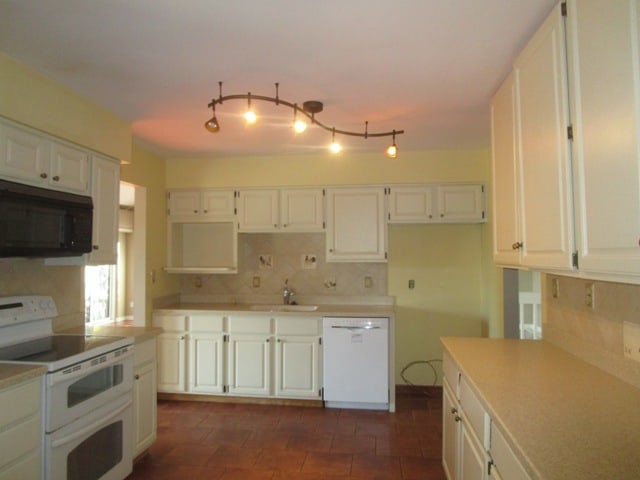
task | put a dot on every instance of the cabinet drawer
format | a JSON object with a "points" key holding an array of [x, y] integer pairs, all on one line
{"points": [[474, 411], [19, 402], [144, 352], [504, 459], [250, 324], [206, 323], [298, 326], [170, 323], [20, 440]]}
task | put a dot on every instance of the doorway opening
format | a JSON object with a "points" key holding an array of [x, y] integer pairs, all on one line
{"points": [[522, 304]]}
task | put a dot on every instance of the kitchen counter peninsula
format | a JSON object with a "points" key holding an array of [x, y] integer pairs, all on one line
{"points": [[563, 418]]}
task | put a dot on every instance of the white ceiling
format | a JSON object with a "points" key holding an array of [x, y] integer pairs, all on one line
{"points": [[429, 67]]}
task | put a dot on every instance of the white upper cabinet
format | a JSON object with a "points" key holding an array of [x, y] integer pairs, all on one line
{"points": [[506, 227], [543, 183], [31, 157], [460, 203], [605, 106], [211, 205], [356, 225], [543, 148], [412, 204], [105, 191], [285, 210]]}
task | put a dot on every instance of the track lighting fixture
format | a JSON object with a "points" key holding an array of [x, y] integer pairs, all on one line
{"points": [[309, 110]]}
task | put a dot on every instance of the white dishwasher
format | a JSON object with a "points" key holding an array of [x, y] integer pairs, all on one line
{"points": [[356, 362]]}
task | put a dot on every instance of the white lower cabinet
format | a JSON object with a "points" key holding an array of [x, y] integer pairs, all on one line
{"points": [[21, 453], [473, 448], [171, 348], [144, 396], [239, 354]]}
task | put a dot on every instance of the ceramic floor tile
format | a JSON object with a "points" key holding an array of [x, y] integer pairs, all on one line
{"points": [[214, 441]]}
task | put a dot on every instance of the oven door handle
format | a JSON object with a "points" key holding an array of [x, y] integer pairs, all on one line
{"points": [[89, 428]]}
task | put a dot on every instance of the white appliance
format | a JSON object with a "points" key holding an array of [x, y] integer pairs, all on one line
{"points": [[356, 362], [88, 391]]}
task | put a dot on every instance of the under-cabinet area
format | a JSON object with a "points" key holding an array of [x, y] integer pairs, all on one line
{"points": [[255, 351], [528, 410]]}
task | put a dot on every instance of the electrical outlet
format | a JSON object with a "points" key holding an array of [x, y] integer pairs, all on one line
{"points": [[368, 282], [589, 294], [412, 284], [255, 282], [631, 340]]}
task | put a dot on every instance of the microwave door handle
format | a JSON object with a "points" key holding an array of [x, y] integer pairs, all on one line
{"points": [[89, 428]]}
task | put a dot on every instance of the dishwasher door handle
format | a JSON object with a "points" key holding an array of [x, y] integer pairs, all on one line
{"points": [[363, 327]]}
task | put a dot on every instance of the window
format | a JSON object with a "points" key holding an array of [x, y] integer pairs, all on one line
{"points": [[100, 294]]}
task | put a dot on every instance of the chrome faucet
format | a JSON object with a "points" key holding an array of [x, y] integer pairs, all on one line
{"points": [[287, 293]]}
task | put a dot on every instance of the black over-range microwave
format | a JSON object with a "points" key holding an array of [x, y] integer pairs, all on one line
{"points": [[38, 222]]}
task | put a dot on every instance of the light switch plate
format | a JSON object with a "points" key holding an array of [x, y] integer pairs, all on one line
{"points": [[631, 340]]}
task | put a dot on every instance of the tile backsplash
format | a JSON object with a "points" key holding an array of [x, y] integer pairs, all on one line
{"points": [[592, 334], [266, 260], [65, 284]]}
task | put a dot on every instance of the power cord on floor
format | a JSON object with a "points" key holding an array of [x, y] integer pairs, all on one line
{"points": [[418, 362]]}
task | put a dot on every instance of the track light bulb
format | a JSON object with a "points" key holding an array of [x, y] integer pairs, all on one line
{"points": [[250, 117], [392, 151], [299, 126], [335, 147], [212, 124]]}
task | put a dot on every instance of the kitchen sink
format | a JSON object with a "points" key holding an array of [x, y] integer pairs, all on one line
{"points": [[283, 308]]}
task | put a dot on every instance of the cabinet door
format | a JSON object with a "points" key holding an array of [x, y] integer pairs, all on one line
{"points": [[248, 363], [205, 362], [356, 229], [258, 211], [24, 156], [603, 50], [144, 407], [473, 459], [505, 186], [450, 432], [297, 366], [543, 148], [184, 204], [412, 204], [218, 204], [105, 191], [69, 168], [301, 210], [461, 203], [171, 362]]}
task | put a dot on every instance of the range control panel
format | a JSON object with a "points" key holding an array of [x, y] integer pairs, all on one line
{"points": [[26, 308]]}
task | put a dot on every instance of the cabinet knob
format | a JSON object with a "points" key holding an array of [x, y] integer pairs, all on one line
{"points": [[56, 178], [195, 211], [96, 247], [137, 377], [285, 225], [279, 340], [457, 418], [43, 175], [267, 340], [442, 215], [454, 410], [275, 225], [517, 245], [206, 211]]}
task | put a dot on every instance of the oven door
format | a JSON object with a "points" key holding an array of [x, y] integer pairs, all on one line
{"points": [[78, 390], [96, 446]]}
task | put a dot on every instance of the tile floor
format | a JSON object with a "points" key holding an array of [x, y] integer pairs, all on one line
{"points": [[221, 441]]}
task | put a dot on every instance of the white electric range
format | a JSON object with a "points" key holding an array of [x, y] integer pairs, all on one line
{"points": [[87, 390]]}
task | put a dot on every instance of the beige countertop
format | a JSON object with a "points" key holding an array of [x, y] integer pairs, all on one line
{"points": [[564, 418], [14, 374], [322, 311]]}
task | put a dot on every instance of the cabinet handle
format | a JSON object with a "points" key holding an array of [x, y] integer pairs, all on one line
{"points": [[43, 175], [56, 178], [137, 377], [517, 245]]}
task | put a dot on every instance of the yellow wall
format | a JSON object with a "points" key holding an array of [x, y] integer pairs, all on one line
{"points": [[30, 98], [148, 170], [456, 289]]}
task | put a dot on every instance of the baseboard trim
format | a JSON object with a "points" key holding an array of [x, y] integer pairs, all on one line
{"points": [[183, 397]]}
